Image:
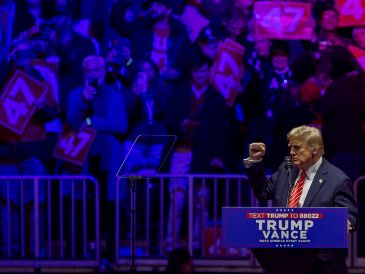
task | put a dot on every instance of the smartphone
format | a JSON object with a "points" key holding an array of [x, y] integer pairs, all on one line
{"points": [[94, 83]]}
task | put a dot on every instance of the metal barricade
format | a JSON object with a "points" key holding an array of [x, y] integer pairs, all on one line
{"points": [[199, 228], [358, 239], [49, 221]]}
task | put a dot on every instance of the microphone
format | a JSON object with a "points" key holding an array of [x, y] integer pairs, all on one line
{"points": [[288, 166], [288, 163]]}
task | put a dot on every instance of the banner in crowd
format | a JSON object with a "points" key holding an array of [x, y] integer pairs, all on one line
{"points": [[359, 54], [73, 146], [285, 227], [227, 70], [351, 12], [17, 101], [283, 20]]}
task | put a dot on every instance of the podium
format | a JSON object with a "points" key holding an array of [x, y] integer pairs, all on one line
{"points": [[285, 240], [285, 261]]}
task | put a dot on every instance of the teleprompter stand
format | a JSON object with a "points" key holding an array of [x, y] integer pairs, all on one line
{"points": [[144, 160]]}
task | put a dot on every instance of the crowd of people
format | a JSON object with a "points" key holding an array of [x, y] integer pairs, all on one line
{"points": [[125, 68]]}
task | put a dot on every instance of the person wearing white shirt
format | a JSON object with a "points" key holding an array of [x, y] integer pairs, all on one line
{"points": [[323, 185]]}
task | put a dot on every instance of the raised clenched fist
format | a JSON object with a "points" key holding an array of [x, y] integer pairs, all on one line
{"points": [[257, 151]]}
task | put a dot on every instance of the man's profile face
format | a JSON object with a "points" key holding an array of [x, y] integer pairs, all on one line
{"points": [[301, 154]]}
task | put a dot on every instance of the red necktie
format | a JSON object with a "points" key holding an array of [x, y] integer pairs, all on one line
{"points": [[297, 191]]}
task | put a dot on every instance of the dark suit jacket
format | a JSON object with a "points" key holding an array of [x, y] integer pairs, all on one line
{"points": [[331, 187]]}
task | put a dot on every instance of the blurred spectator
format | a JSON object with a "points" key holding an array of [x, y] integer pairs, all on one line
{"points": [[21, 154], [149, 103], [71, 48], [158, 36], [101, 107], [179, 261], [215, 8], [147, 111], [246, 6], [311, 86], [46, 63], [343, 114], [208, 41], [271, 101], [275, 95], [327, 35], [358, 34], [16, 17], [120, 65], [258, 60], [28, 145], [233, 25], [199, 118]]}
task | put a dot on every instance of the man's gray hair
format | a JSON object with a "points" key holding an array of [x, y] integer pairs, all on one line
{"points": [[311, 135], [96, 58]]}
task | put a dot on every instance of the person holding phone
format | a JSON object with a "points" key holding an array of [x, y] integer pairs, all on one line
{"points": [[101, 107]]}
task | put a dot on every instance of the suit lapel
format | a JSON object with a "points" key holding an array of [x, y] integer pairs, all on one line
{"points": [[318, 181]]}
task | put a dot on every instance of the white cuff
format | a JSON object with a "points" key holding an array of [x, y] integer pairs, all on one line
{"points": [[249, 162]]}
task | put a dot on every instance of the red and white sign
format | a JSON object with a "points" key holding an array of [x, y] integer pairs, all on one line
{"points": [[228, 69], [73, 146], [283, 20], [352, 12], [194, 21], [17, 101], [359, 55]]}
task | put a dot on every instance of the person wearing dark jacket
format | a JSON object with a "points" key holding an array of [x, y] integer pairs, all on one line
{"points": [[316, 183], [155, 35], [198, 117]]}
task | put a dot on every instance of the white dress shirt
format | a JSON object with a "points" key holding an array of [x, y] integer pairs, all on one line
{"points": [[310, 173]]}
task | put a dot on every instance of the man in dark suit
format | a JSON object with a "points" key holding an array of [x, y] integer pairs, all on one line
{"points": [[315, 181]]}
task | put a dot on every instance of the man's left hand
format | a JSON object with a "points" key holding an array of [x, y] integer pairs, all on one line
{"points": [[349, 227]]}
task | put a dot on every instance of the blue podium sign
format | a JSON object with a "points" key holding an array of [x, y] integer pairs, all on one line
{"points": [[258, 227]]}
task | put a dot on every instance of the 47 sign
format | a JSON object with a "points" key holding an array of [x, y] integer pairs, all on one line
{"points": [[17, 101], [283, 20], [352, 12], [73, 146]]}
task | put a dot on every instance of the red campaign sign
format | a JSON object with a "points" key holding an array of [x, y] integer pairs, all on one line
{"points": [[73, 146], [359, 54], [17, 101], [228, 69], [352, 12], [283, 20]]}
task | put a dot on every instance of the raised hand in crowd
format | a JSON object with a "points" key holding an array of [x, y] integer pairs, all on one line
{"points": [[89, 93]]}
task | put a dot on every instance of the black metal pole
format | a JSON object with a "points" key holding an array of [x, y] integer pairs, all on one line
{"points": [[133, 184]]}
